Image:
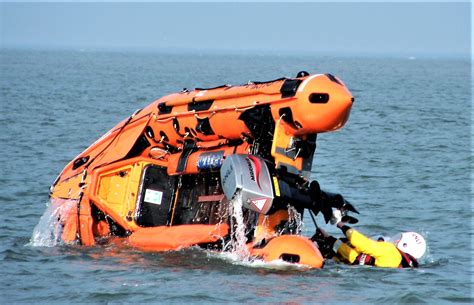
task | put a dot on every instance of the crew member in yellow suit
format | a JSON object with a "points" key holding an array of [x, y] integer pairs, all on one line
{"points": [[403, 252]]}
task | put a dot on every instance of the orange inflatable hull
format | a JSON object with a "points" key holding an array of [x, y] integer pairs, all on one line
{"points": [[143, 178], [166, 238], [290, 248]]}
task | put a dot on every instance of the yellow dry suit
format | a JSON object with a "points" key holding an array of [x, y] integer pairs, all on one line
{"points": [[365, 251]]}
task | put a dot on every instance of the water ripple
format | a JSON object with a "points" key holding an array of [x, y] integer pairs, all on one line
{"points": [[403, 159]]}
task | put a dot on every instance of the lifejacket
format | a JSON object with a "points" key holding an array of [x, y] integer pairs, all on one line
{"points": [[408, 261], [364, 259]]}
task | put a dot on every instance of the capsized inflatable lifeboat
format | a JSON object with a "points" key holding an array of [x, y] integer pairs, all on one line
{"points": [[167, 177]]}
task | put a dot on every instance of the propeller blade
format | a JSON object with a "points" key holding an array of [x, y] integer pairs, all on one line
{"points": [[327, 212], [315, 191], [349, 219], [349, 207]]}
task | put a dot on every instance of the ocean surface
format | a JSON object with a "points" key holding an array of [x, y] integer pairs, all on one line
{"points": [[403, 159]]}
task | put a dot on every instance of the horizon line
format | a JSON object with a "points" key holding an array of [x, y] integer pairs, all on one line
{"points": [[245, 51]]}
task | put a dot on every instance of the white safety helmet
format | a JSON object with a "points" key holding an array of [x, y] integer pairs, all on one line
{"points": [[411, 243]]}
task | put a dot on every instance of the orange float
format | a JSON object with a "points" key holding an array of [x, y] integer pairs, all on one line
{"points": [[157, 177]]}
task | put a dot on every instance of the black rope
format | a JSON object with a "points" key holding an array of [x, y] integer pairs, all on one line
{"points": [[312, 217]]}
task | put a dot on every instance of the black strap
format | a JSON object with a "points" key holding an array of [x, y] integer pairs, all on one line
{"points": [[188, 148]]}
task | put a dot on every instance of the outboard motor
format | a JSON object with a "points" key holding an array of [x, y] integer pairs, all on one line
{"points": [[264, 192], [248, 174]]}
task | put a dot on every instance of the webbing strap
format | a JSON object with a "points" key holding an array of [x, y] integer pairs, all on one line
{"points": [[188, 148]]}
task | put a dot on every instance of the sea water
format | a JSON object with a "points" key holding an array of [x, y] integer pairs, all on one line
{"points": [[237, 245], [403, 160]]}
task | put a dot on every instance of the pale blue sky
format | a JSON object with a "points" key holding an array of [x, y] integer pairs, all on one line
{"points": [[350, 28]]}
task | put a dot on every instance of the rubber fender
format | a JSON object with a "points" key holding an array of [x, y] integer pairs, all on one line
{"points": [[291, 248], [164, 238]]}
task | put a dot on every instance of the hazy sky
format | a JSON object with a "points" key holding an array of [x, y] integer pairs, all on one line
{"points": [[371, 28]]}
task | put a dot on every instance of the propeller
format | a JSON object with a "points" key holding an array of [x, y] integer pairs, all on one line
{"points": [[349, 219], [327, 201]]}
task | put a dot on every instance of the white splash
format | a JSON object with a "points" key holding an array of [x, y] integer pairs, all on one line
{"points": [[238, 242], [255, 262], [47, 232], [427, 258], [294, 220]]}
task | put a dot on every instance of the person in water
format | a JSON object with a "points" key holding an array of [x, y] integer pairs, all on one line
{"points": [[357, 249]]}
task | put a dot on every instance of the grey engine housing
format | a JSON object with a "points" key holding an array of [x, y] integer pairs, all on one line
{"points": [[249, 174]]}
